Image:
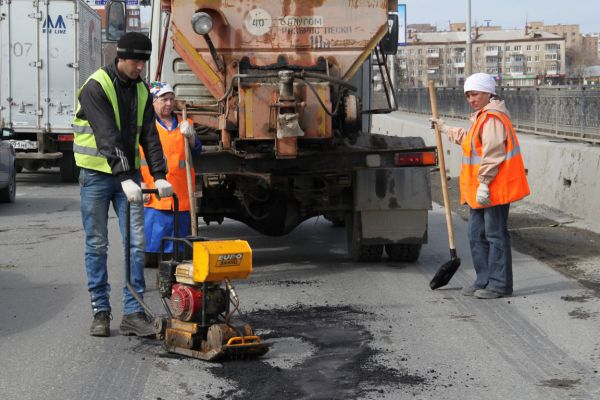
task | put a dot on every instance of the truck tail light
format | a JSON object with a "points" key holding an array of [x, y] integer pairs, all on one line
{"points": [[65, 138], [424, 158]]}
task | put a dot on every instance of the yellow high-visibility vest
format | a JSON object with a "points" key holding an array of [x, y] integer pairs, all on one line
{"points": [[85, 149]]}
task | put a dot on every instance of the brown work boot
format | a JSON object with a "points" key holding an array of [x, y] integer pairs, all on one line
{"points": [[137, 324], [101, 324]]}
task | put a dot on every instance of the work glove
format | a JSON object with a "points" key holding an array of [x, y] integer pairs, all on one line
{"points": [[132, 191], [164, 188], [146, 195], [483, 195], [440, 123], [186, 129]]}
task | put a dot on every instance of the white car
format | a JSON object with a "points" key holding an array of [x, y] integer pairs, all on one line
{"points": [[8, 171]]}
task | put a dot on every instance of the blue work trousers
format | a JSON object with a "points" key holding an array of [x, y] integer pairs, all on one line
{"points": [[98, 190], [490, 248]]}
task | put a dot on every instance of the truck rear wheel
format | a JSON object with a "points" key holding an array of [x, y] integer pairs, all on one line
{"points": [[403, 252], [369, 253], [69, 171], [337, 220], [33, 166], [360, 252]]}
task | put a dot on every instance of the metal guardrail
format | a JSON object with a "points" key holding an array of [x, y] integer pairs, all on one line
{"points": [[564, 112]]}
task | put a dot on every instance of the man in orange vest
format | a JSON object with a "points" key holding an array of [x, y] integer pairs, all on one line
{"points": [[158, 213], [492, 176]]}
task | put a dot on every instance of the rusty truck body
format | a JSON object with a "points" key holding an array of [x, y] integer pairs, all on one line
{"points": [[281, 95]]}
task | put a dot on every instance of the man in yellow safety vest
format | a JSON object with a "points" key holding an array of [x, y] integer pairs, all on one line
{"points": [[114, 116]]}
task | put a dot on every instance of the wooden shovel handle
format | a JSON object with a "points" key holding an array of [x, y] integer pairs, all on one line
{"points": [[440, 148], [188, 173]]}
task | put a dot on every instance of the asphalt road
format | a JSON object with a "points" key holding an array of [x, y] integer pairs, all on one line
{"points": [[338, 329]]}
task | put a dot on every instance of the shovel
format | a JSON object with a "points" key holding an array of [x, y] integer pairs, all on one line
{"points": [[447, 270], [188, 173]]}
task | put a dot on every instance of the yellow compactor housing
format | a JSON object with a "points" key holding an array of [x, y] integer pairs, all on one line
{"points": [[215, 261]]}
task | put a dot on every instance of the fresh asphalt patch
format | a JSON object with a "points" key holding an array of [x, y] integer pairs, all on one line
{"points": [[317, 353]]}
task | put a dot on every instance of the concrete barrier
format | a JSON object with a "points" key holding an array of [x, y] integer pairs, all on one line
{"points": [[563, 175]]}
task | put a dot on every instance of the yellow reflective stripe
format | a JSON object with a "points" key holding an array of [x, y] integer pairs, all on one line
{"points": [[473, 160], [513, 153], [83, 129], [88, 151]]}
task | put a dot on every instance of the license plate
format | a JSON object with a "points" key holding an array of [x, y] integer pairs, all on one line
{"points": [[24, 144]]}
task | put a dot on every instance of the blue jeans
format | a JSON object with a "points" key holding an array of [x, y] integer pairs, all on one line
{"points": [[490, 248], [161, 223], [98, 190]]}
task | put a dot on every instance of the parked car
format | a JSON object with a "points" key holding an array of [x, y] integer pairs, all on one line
{"points": [[8, 171]]}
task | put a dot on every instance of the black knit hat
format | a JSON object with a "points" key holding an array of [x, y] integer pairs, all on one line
{"points": [[134, 46]]}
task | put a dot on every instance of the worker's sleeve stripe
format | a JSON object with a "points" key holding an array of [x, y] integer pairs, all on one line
{"points": [[89, 151], [123, 159], [82, 129]]}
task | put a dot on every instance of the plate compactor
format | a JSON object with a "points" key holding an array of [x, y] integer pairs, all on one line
{"points": [[198, 297]]}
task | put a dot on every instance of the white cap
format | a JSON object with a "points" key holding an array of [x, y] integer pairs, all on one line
{"points": [[480, 82], [158, 89]]}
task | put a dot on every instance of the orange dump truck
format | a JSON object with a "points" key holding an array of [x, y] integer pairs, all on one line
{"points": [[280, 92]]}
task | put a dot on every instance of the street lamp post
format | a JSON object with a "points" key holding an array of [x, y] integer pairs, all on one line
{"points": [[469, 55]]}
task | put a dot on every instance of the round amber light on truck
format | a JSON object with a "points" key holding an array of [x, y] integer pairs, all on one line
{"points": [[202, 23]]}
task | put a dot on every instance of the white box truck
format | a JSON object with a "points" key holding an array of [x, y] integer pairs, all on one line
{"points": [[47, 51]]}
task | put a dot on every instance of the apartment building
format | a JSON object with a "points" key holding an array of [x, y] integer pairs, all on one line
{"points": [[591, 45], [581, 50], [462, 27], [515, 57], [569, 31], [413, 28], [597, 36]]}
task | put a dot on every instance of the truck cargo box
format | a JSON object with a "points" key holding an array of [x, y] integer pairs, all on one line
{"points": [[47, 51]]}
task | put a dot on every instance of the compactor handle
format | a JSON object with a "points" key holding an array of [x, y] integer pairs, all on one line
{"points": [[128, 244]]}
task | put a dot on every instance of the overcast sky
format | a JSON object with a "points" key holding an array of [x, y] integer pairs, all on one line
{"points": [[507, 13]]}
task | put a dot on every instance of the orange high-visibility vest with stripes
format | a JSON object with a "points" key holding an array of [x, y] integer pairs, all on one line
{"points": [[173, 145], [510, 184]]}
